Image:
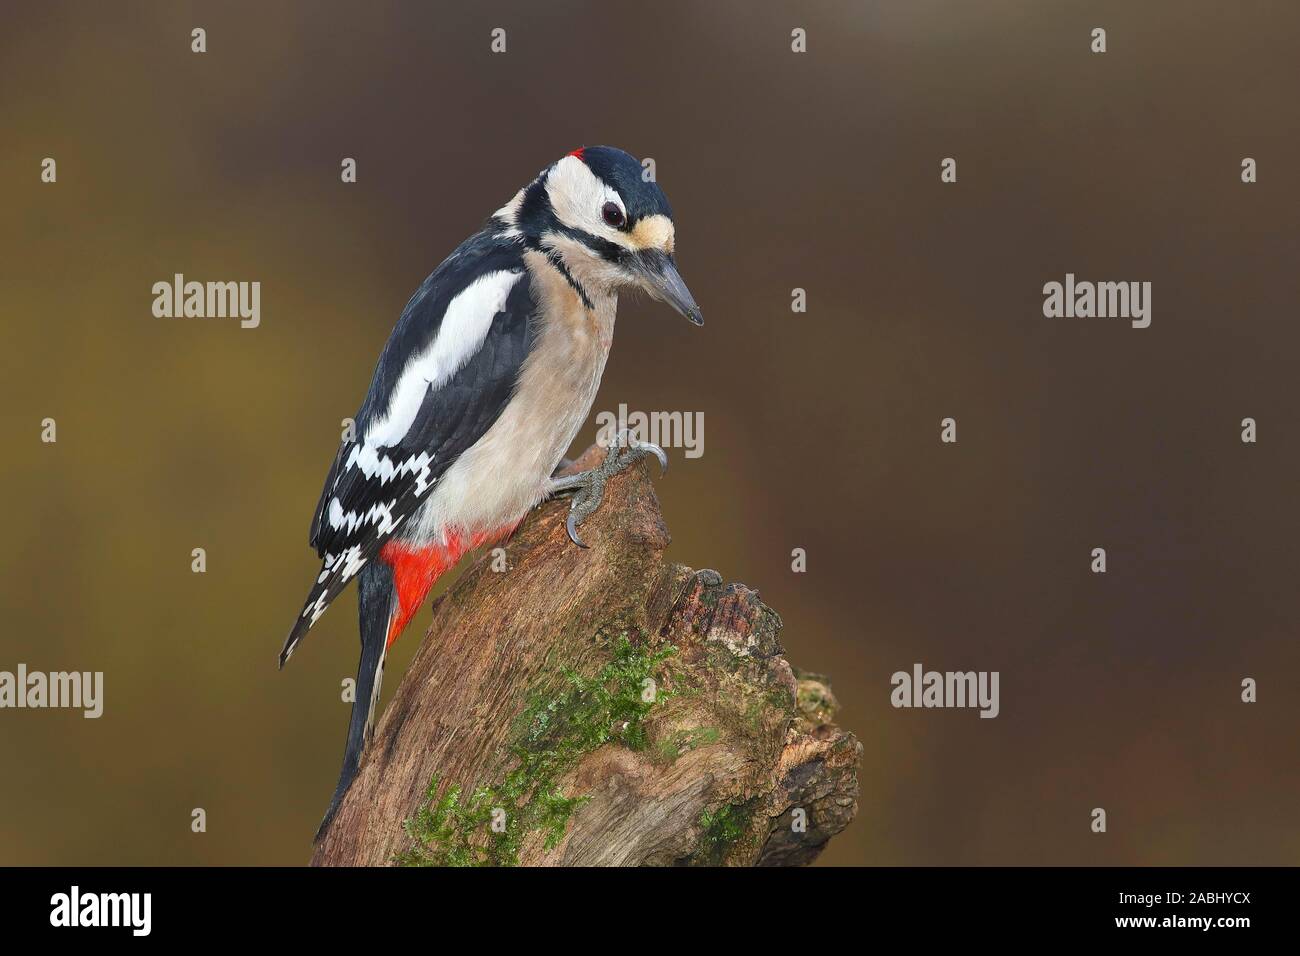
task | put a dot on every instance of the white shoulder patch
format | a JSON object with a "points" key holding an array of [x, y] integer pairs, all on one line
{"points": [[464, 327]]}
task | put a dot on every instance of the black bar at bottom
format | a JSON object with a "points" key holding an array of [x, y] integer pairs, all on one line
{"points": [[212, 906]]}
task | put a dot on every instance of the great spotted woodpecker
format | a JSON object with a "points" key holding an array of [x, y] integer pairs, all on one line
{"points": [[486, 379]]}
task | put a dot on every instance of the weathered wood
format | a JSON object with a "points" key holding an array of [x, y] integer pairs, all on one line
{"points": [[712, 769]]}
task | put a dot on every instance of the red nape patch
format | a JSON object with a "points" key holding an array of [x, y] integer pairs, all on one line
{"points": [[578, 152], [416, 570]]}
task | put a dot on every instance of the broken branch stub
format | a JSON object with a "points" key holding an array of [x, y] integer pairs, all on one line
{"points": [[599, 707]]}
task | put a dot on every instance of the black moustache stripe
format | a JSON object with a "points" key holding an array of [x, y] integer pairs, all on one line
{"points": [[553, 257]]}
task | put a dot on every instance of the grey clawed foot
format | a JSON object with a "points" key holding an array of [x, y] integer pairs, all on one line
{"points": [[588, 487]]}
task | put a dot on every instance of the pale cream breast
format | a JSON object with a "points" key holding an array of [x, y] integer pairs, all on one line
{"points": [[498, 479]]}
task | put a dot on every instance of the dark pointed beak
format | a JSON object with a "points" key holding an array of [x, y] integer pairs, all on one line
{"points": [[659, 276]]}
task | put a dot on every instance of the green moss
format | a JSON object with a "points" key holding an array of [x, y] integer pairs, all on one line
{"points": [[489, 827], [723, 827], [681, 741]]}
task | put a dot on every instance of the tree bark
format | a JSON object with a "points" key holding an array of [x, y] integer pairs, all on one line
{"points": [[599, 707]]}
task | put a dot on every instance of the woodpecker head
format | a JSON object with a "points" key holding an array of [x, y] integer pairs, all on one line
{"points": [[598, 221]]}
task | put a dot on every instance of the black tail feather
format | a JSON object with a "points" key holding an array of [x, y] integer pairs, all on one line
{"points": [[376, 597], [326, 588]]}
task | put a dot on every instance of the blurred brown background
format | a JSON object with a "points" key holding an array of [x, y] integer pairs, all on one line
{"points": [[818, 171]]}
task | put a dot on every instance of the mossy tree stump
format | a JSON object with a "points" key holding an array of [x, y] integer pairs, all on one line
{"points": [[599, 707]]}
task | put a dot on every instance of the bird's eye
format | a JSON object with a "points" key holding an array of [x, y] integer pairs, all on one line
{"points": [[612, 215]]}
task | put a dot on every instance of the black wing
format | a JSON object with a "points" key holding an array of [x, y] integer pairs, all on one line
{"points": [[379, 480]]}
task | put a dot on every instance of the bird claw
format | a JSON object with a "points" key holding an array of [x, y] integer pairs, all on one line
{"points": [[589, 487], [571, 525], [660, 454], [633, 451]]}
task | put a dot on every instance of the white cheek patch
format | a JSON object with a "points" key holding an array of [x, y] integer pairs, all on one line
{"points": [[577, 196]]}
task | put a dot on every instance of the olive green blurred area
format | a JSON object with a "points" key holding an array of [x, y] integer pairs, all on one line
{"points": [[817, 171]]}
